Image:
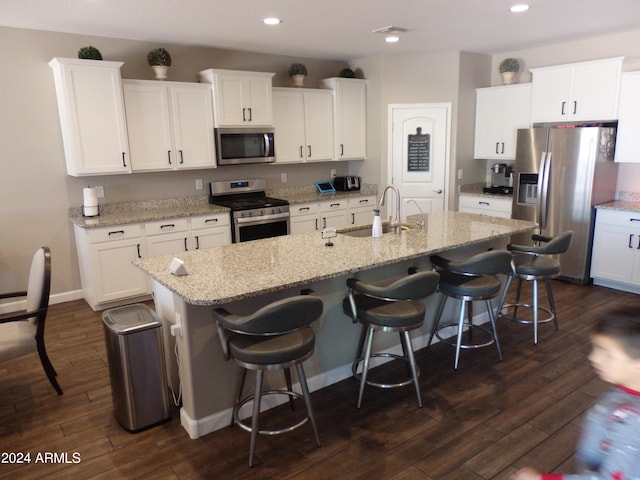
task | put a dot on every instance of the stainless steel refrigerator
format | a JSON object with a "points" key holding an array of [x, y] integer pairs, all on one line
{"points": [[560, 173]]}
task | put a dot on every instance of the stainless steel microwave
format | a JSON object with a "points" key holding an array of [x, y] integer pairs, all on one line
{"points": [[235, 146]]}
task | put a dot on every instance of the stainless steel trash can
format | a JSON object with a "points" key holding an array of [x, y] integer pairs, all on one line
{"points": [[133, 335]]}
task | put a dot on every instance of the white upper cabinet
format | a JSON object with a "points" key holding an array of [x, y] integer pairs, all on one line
{"points": [[303, 119], [500, 112], [582, 91], [240, 99], [92, 119], [170, 125], [350, 117], [628, 140]]}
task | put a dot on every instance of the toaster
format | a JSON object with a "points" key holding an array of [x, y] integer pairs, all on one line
{"points": [[344, 184]]}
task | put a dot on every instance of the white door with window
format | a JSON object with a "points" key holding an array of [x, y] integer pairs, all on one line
{"points": [[419, 149]]}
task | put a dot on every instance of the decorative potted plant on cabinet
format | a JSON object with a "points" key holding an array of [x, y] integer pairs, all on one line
{"points": [[89, 53], [508, 69], [160, 61], [297, 72], [347, 73]]}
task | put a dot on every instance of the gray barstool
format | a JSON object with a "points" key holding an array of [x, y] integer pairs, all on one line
{"points": [[277, 336], [534, 262], [472, 279], [389, 306]]}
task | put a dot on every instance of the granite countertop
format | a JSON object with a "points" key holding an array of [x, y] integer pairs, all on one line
{"points": [[629, 206], [149, 210], [233, 272], [146, 211]]}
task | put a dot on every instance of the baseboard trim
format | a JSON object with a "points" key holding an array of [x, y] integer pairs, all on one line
{"points": [[53, 299]]}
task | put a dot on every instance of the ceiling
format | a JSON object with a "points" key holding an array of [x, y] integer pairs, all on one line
{"points": [[330, 29]]}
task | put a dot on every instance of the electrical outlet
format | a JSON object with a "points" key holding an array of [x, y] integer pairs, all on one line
{"points": [[333, 173], [283, 177], [199, 184], [99, 191], [460, 174]]}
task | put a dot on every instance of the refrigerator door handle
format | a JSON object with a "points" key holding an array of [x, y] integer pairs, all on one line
{"points": [[544, 190], [540, 186]]}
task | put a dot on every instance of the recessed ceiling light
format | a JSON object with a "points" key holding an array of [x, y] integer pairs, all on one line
{"points": [[271, 21], [392, 39], [519, 8]]}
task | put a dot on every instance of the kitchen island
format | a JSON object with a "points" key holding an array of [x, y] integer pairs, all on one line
{"points": [[246, 276]]}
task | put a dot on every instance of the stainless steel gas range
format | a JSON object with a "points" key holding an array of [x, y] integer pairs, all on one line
{"points": [[253, 214]]}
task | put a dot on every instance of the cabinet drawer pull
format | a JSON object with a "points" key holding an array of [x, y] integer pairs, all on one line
{"points": [[181, 157], [342, 149], [124, 162], [168, 225], [364, 201], [301, 151], [316, 224], [497, 143], [116, 232], [197, 242], [186, 247], [562, 109], [250, 114], [303, 209], [309, 149], [631, 240], [353, 219], [244, 117], [334, 205], [138, 249], [634, 219], [211, 220], [575, 107], [502, 151], [169, 156], [484, 203]]}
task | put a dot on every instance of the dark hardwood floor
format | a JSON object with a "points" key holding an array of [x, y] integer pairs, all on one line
{"points": [[480, 422]]}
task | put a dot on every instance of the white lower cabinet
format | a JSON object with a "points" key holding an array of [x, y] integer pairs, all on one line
{"points": [[615, 258], [334, 213], [486, 205], [361, 210], [164, 237], [105, 256], [304, 217], [337, 213], [210, 231]]}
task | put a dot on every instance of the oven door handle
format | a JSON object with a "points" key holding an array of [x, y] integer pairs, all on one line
{"points": [[262, 218]]}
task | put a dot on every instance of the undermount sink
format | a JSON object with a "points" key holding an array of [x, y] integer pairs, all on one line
{"points": [[365, 231]]}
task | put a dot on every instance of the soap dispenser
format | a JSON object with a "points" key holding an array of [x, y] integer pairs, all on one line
{"points": [[376, 228]]}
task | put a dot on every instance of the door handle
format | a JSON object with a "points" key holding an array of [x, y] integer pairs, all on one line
{"points": [[438, 191]]}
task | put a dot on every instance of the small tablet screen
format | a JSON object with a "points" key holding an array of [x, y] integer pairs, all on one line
{"points": [[325, 187]]}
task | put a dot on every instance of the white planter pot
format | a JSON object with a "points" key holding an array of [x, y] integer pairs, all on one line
{"points": [[508, 77], [298, 80], [160, 71]]}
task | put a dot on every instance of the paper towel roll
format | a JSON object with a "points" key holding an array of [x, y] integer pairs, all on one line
{"points": [[90, 197], [90, 211]]}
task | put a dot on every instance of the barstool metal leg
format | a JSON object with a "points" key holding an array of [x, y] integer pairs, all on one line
{"points": [[552, 303], [517, 300], [535, 311], [434, 328], [412, 363], [307, 400], [365, 362], [459, 337], [287, 379], [255, 414], [242, 375], [494, 329]]}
